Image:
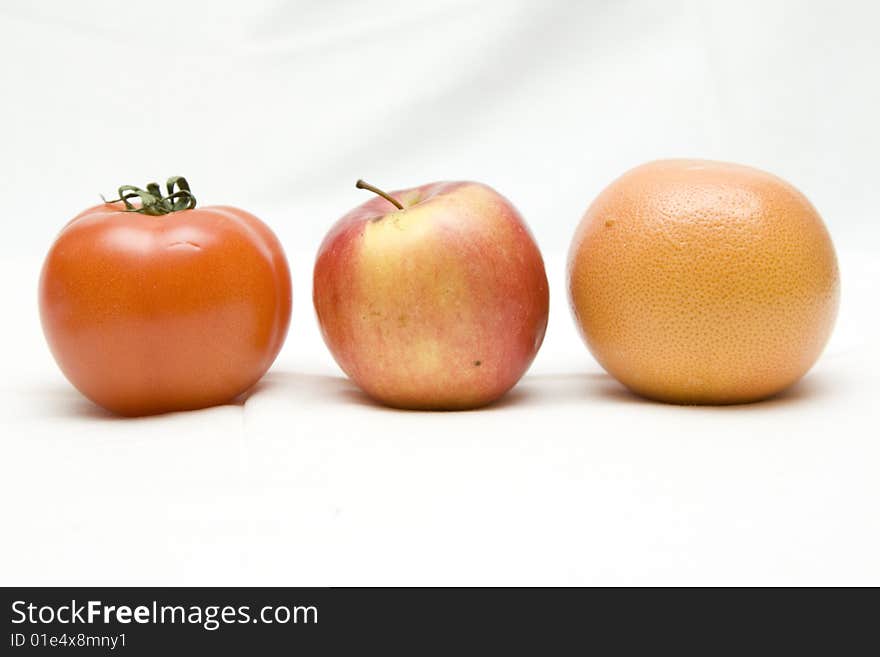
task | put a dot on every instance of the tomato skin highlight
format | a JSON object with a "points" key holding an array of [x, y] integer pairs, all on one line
{"points": [[152, 314]]}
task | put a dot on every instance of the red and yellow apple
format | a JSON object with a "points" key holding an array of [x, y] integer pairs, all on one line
{"points": [[433, 297]]}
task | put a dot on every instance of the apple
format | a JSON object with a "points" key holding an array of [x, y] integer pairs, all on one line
{"points": [[433, 297]]}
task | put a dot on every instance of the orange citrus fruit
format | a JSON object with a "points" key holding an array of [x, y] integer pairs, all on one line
{"points": [[698, 282]]}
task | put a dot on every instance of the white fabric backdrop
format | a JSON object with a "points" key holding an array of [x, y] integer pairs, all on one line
{"points": [[278, 107]]}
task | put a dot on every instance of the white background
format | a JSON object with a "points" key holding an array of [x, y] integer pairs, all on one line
{"points": [[277, 108]]}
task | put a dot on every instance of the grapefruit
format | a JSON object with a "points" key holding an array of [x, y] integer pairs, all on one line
{"points": [[699, 282]]}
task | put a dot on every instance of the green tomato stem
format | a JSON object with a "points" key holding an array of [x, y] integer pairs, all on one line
{"points": [[152, 201]]}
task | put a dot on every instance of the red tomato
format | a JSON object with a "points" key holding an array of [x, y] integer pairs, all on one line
{"points": [[158, 306]]}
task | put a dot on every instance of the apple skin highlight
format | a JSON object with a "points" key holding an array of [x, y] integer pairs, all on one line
{"points": [[439, 306]]}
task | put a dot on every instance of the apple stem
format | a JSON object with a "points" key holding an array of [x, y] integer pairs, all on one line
{"points": [[360, 184]]}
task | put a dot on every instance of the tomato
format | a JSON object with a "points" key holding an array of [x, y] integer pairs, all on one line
{"points": [[157, 305]]}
